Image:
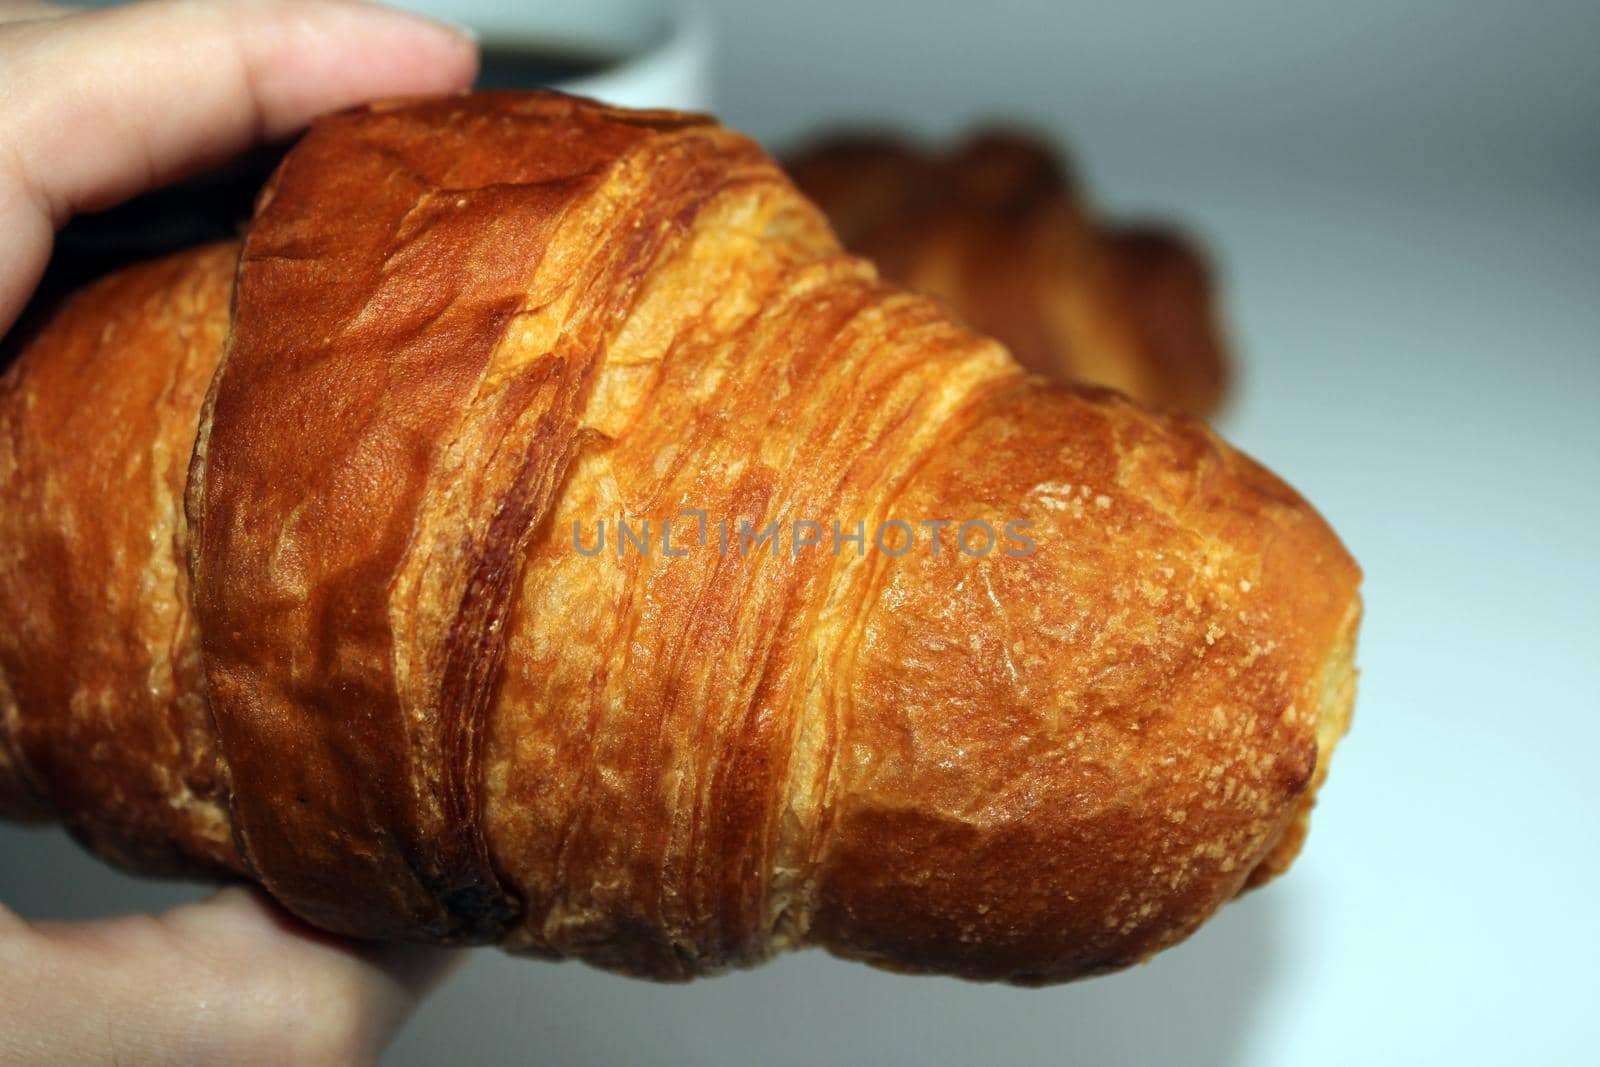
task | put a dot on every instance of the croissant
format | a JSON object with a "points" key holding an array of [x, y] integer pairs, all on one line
{"points": [[460, 559], [995, 228]]}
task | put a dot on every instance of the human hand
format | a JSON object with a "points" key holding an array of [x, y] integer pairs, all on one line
{"points": [[96, 107], [232, 979], [99, 105]]}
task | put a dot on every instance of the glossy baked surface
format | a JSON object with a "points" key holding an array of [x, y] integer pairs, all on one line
{"points": [[462, 326]]}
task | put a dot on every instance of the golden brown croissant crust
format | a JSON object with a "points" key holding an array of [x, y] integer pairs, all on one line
{"points": [[351, 649], [996, 228]]}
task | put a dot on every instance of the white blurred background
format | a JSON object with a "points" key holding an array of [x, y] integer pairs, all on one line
{"points": [[1404, 202]]}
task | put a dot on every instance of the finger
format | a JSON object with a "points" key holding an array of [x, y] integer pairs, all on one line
{"points": [[349, 997], [397, 975], [231, 979], [97, 106]]}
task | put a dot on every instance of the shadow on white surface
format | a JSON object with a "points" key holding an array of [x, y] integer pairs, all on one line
{"points": [[1194, 1004]]}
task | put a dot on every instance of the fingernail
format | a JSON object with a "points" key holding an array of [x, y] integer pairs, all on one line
{"points": [[407, 7], [460, 29]]}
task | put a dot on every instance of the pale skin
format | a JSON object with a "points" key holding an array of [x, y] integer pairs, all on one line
{"points": [[95, 107]]}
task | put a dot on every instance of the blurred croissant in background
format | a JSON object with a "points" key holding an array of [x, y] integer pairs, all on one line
{"points": [[997, 229]]}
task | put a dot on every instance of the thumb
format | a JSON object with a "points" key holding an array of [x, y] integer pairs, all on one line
{"points": [[231, 979], [97, 106]]}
